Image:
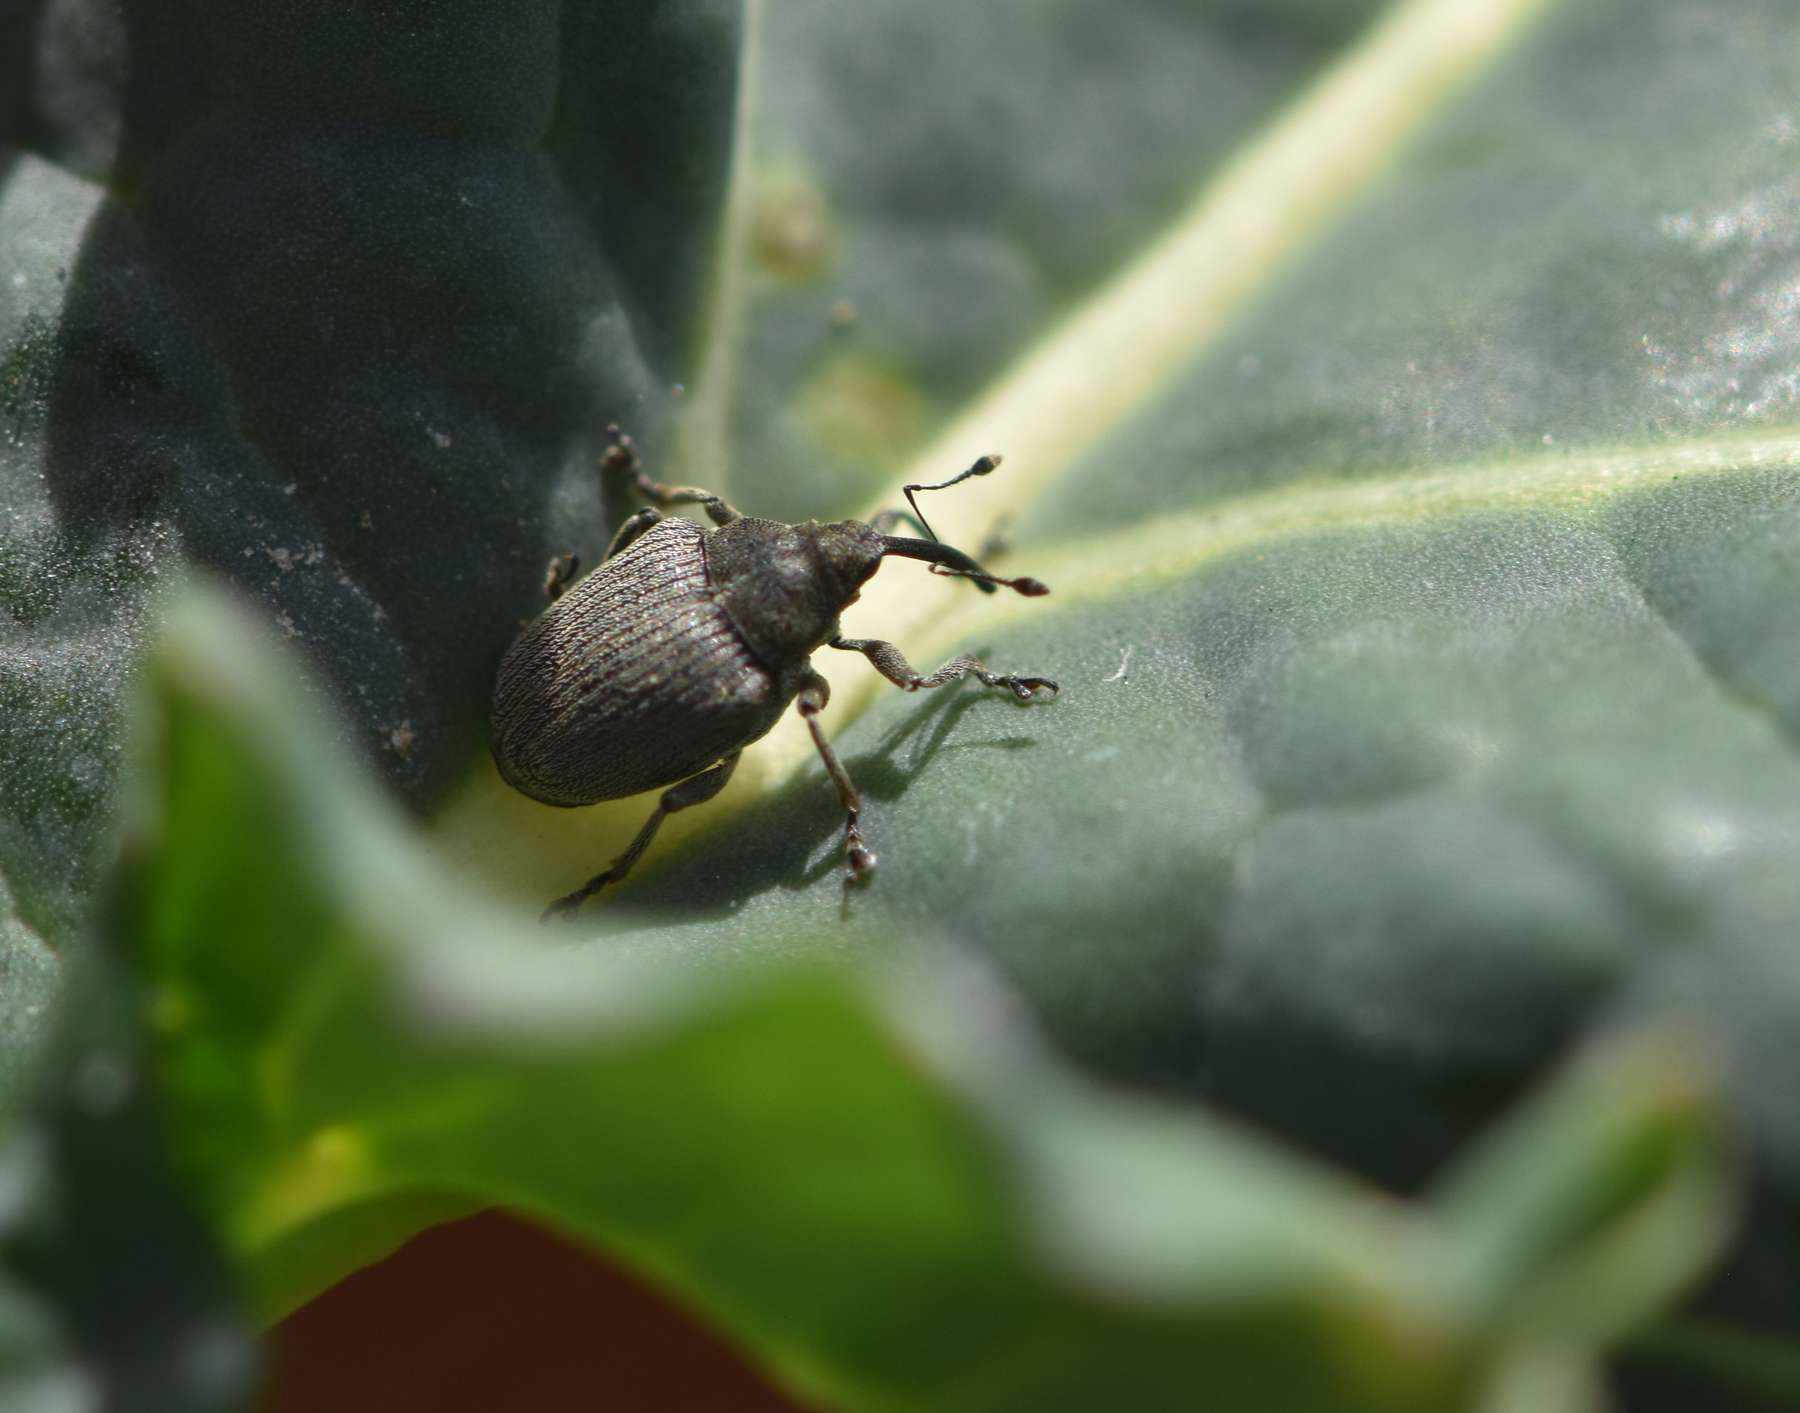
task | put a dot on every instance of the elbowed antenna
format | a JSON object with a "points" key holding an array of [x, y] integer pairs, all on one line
{"points": [[947, 559], [982, 466]]}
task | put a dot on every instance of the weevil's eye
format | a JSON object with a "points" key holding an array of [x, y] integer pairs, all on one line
{"points": [[852, 553]]}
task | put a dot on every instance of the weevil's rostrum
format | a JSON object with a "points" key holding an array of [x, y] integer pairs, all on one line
{"points": [[685, 645]]}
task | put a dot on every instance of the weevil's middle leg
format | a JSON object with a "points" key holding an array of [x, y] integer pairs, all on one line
{"points": [[695, 790], [623, 456], [563, 569], [634, 526], [859, 859], [892, 665]]}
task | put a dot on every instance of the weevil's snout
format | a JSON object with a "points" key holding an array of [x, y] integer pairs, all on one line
{"points": [[947, 559]]}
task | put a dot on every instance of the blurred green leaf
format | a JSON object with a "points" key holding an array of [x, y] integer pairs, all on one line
{"points": [[113, 1297], [1587, 1213], [866, 1170]]}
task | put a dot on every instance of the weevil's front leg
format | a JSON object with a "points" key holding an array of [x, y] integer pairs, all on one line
{"points": [[891, 665], [695, 790], [623, 456], [859, 859]]}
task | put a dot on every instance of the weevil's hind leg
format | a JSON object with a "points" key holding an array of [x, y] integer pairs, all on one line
{"points": [[560, 573], [859, 859], [891, 665], [696, 790], [623, 456], [634, 526], [564, 568]]}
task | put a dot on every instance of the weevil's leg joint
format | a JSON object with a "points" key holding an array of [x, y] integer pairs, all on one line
{"points": [[695, 790], [622, 456], [891, 664], [859, 858]]}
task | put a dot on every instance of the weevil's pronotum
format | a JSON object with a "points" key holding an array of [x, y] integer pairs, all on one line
{"points": [[685, 645]]}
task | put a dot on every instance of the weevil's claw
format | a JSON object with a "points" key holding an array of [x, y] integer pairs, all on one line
{"points": [[621, 453], [860, 863], [1031, 588], [1026, 688]]}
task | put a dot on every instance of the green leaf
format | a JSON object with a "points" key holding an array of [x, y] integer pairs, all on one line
{"points": [[1398, 400], [1586, 1213], [928, 189], [112, 1293], [867, 1170], [1421, 603], [336, 302]]}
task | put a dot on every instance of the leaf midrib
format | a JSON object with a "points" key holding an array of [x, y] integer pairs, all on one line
{"points": [[1151, 320]]}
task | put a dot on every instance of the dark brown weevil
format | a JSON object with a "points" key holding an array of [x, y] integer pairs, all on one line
{"points": [[685, 645]]}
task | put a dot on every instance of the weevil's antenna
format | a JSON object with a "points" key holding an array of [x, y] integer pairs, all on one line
{"points": [[947, 559], [982, 466], [1024, 584]]}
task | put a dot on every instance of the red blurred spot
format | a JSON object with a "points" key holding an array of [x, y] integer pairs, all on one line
{"points": [[494, 1315]]}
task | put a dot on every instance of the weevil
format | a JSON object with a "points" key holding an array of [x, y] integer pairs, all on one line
{"points": [[685, 645]]}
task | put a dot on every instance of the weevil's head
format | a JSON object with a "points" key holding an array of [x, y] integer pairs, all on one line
{"points": [[849, 554], [785, 585]]}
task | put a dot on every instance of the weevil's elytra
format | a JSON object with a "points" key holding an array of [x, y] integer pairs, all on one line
{"points": [[585, 694], [685, 645]]}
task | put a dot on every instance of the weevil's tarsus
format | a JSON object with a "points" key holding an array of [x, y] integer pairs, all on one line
{"points": [[859, 858], [622, 456], [890, 663], [695, 790], [981, 467]]}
